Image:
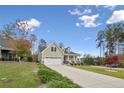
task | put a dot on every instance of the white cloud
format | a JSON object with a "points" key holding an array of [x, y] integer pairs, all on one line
{"points": [[87, 38], [117, 16], [87, 11], [79, 12], [89, 21], [77, 24], [111, 7], [85, 18], [34, 22], [28, 25], [75, 12]]}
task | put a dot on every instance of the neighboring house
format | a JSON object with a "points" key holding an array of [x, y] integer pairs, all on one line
{"points": [[5, 49], [53, 54]]}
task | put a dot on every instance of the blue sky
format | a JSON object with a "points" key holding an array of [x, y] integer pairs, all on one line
{"points": [[75, 26]]}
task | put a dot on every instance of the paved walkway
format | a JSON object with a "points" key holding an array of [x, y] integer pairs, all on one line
{"points": [[88, 79]]}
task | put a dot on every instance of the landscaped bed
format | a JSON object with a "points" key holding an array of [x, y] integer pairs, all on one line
{"points": [[106, 71], [15, 75], [53, 79]]}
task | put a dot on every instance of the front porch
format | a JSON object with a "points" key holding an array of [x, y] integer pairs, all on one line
{"points": [[72, 59], [6, 55]]}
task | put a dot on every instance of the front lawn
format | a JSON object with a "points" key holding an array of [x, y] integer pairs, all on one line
{"points": [[15, 75], [115, 73], [53, 79]]}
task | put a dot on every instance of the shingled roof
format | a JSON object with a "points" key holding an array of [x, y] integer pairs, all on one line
{"points": [[72, 53]]}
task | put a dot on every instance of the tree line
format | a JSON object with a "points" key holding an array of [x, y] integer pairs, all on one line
{"points": [[111, 40], [19, 37]]}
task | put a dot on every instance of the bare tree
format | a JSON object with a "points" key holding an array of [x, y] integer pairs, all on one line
{"points": [[42, 45], [61, 45]]}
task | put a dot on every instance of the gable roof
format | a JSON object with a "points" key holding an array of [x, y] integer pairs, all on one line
{"points": [[63, 51], [51, 45]]}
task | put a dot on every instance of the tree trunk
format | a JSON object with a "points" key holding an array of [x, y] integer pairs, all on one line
{"points": [[103, 53], [118, 50]]}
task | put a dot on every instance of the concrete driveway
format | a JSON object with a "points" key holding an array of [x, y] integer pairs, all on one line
{"points": [[88, 79]]}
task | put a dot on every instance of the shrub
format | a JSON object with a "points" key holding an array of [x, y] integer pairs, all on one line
{"points": [[35, 58], [47, 74], [61, 84], [99, 61], [29, 59], [54, 79], [88, 60], [112, 60], [120, 64]]}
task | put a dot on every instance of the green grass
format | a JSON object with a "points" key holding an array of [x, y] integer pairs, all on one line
{"points": [[55, 80], [15, 75], [117, 73]]}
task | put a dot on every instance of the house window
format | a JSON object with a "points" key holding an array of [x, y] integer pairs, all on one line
{"points": [[53, 49]]}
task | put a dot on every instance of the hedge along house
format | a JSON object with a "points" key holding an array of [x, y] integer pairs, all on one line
{"points": [[6, 53], [53, 54]]}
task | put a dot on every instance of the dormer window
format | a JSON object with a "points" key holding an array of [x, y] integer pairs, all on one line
{"points": [[53, 49]]}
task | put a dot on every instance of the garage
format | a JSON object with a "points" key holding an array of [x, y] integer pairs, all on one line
{"points": [[53, 60]]}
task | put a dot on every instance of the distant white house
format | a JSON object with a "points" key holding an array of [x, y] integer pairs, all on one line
{"points": [[6, 52], [53, 54]]}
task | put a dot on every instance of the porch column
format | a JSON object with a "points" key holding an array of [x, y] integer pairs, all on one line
{"points": [[74, 58], [79, 58], [68, 57]]}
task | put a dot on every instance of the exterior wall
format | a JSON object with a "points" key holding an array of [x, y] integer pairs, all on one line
{"points": [[49, 53], [40, 58]]}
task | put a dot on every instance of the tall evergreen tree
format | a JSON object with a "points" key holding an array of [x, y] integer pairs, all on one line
{"points": [[100, 41]]}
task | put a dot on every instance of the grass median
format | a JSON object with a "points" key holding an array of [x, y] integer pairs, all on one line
{"points": [[55, 80]]}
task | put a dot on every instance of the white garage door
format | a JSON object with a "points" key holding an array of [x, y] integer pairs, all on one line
{"points": [[53, 60]]}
